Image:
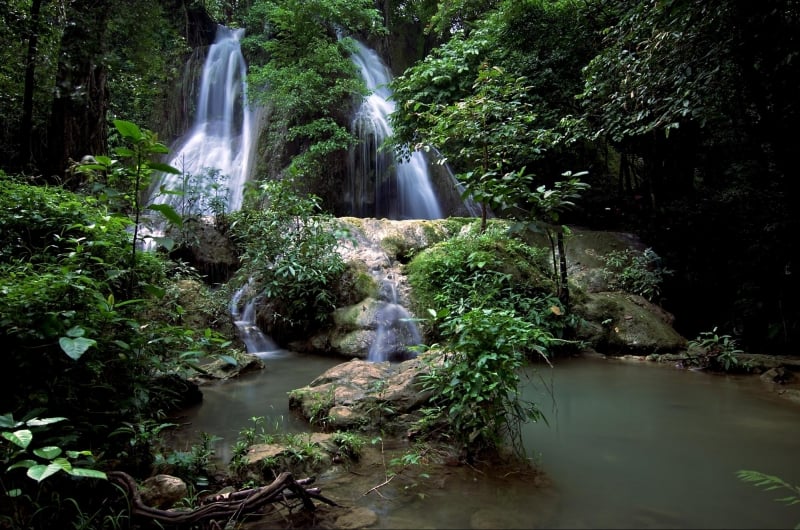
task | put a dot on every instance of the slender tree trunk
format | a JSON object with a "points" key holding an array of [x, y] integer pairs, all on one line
{"points": [[26, 123], [78, 120], [563, 292]]}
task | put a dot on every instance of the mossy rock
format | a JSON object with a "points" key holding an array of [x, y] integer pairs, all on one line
{"points": [[620, 323]]}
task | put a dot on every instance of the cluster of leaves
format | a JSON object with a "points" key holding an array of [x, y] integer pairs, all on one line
{"points": [[34, 458], [300, 67], [289, 252], [490, 269], [635, 272], [493, 307], [716, 351], [772, 483]]}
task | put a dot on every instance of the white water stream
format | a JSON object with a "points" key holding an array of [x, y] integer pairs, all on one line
{"points": [[378, 184], [215, 155]]}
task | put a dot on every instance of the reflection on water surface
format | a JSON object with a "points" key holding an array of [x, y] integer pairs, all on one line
{"points": [[627, 445]]}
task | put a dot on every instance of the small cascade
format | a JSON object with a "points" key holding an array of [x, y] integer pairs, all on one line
{"points": [[215, 155], [396, 330], [379, 185], [244, 316]]}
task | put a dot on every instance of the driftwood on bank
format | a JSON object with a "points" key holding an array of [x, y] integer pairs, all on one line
{"points": [[284, 489]]}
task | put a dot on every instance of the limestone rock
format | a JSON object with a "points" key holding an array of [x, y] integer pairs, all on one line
{"points": [[163, 491], [619, 323]]}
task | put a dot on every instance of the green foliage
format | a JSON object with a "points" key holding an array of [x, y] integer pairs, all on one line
{"points": [[299, 67], [493, 307], [648, 76], [488, 134], [771, 483], [40, 462], [39, 475], [492, 270], [194, 466], [639, 273], [139, 442], [475, 387], [717, 352], [289, 251], [129, 174], [350, 444]]}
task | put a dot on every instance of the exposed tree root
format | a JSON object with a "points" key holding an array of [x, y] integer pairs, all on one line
{"points": [[284, 489]]}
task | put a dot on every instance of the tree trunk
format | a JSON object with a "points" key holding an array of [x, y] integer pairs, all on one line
{"points": [[80, 102], [26, 123], [563, 292]]}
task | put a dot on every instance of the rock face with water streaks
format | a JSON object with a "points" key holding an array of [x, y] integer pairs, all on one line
{"points": [[377, 325], [376, 296], [615, 322]]}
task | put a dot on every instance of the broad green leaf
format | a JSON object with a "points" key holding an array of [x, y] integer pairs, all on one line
{"points": [[76, 331], [38, 422], [49, 452], [84, 472], [228, 359], [124, 152], [22, 463], [75, 348], [166, 242], [164, 168], [128, 129], [7, 421], [168, 212], [21, 438], [76, 454], [40, 472]]}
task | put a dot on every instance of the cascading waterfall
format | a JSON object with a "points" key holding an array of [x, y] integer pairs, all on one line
{"points": [[244, 316], [214, 158], [396, 331], [379, 185], [215, 155]]}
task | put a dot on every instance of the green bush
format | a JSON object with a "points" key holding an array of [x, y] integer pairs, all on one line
{"points": [[492, 270], [635, 272], [494, 306], [289, 252]]}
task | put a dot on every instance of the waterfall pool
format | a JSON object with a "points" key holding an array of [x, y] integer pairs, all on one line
{"points": [[626, 445]]}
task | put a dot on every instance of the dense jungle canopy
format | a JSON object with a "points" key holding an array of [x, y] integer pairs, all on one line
{"points": [[681, 112]]}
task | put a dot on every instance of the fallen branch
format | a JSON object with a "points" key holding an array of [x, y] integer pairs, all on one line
{"points": [[222, 507]]}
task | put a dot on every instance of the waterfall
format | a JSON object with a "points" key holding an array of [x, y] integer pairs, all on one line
{"points": [[396, 331], [379, 185], [215, 155], [244, 316]]}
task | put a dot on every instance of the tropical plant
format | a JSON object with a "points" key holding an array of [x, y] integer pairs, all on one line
{"points": [[713, 350], [492, 307], [636, 272], [475, 385], [289, 252], [298, 55], [772, 483], [493, 269], [40, 462]]}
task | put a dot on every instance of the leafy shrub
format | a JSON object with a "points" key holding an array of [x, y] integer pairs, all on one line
{"points": [[290, 254], [493, 304], [634, 272], [715, 351], [492, 270], [476, 386]]}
